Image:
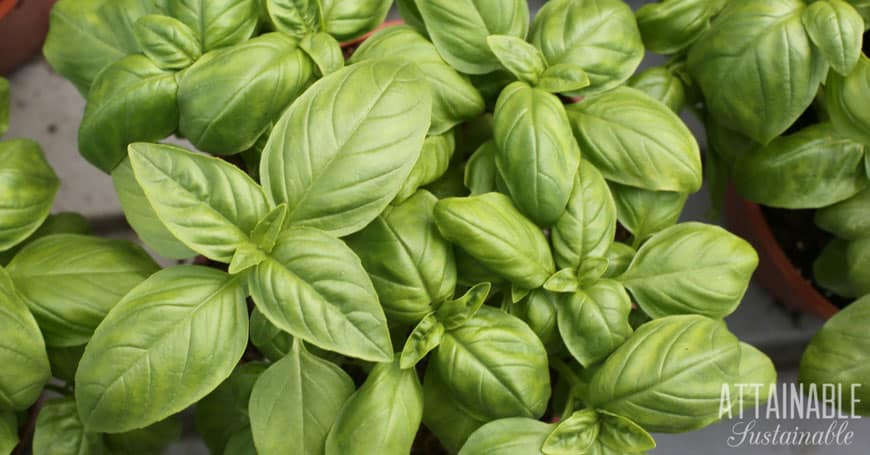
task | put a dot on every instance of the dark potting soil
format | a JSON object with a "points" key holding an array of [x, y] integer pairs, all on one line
{"points": [[802, 242]]}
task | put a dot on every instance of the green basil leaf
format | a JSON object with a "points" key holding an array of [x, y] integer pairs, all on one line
{"points": [[563, 281], [246, 256], [454, 99], [324, 50], [141, 216], [150, 440], [425, 337], [167, 41], [295, 402], [433, 163], [755, 368], [814, 167], [831, 269], [519, 57], [382, 417], [691, 268], [88, 277], [5, 106], [573, 435], [59, 223], [863, 8], [668, 375], [217, 23], [593, 322], [847, 98], [411, 15], [357, 155], [8, 431], [223, 414], [455, 313], [85, 36], [838, 354], [490, 85], [588, 225], [470, 271], [620, 433], [600, 36], [536, 154], [27, 189], [459, 29], [132, 100], [134, 355], [411, 266], [635, 140], [443, 414], [314, 287], [268, 229], [480, 170], [670, 26], [591, 270], [22, 351], [618, 257], [491, 230], [348, 20], [271, 341], [645, 212], [205, 202], [563, 78], [59, 431], [858, 263], [849, 219], [538, 311], [511, 436], [297, 18], [835, 28], [230, 97], [661, 85], [757, 68], [494, 366]]}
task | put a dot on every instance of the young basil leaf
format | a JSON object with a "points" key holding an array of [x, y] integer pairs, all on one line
{"points": [[573, 435], [141, 216], [835, 28], [266, 232], [295, 402], [58, 430], [618, 257], [382, 416], [480, 170], [563, 78], [838, 354], [223, 414], [691, 268], [324, 50], [591, 270], [536, 154], [358, 154], [614, 130], [831, 269], [588, 225], [491, 230], [668, 375], [444, 415], [8, 431], [88, 277], [297, 18], [152, 439], [246, 256], [134, 355], [494, 366], [594, 322], [661, 85], [846, 100], [168, 42], [4, 106], [522, 59], [849, 219], [132, 100], [511, 436], [433, 163], [27, 190], [740, 64], [563, 281], [205, 202], [620, 433], [669, 26], [347, 20], [314, 287], [22, 351], [410, 264], [538, 311], [64, 362], [226, 101], [85, 36], [425, 337], [814, 167], [600, 36], [518, 293], [455, 313], [645, 212], [217, 23], [454, 99], [858, 263]]}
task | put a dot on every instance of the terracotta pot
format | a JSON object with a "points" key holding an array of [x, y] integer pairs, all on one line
{"points": [[353, 44], [775, 271], [23, 25]]}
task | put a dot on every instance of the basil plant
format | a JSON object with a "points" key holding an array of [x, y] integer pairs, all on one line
{"points": [[421, 237], [784, 89]]}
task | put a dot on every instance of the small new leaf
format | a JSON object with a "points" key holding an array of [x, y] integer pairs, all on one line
{"points": [[168, 42], [591, 270], [563, 281], [425, 337], [573, 435], [563, 77], [836, 29], [519, 57], [246, 256], [518, 293], [267, 230], [620, 433], [454, 313]]}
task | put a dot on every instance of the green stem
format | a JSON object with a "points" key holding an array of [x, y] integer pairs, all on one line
{"points": [[565, 370], [569, 406]]}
